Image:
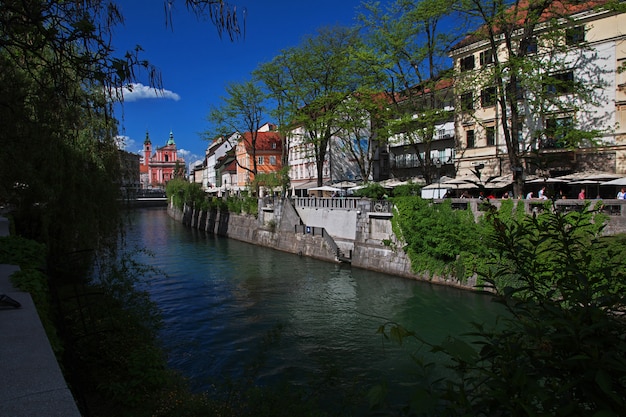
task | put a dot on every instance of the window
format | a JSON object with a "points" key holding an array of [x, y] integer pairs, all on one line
{"points": [[403, 161], [517, 90], [531, 46], [259, 160], [557, 129], [467, 101], [488, 97], [575, 35], [469, 137], [486, 57], [273, 145], [467, 63], [408, 159], [560, 83], [490, 133], [272, 160]]}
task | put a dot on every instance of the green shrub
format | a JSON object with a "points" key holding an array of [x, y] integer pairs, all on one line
{"points": [[371, 190], [175, 192], [438, 239], [559, 349], [406, 190]]}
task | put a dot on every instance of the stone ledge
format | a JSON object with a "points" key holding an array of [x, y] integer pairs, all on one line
{"points": [[32, 383]]}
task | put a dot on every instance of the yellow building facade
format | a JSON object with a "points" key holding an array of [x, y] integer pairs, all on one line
{"points": [[587, 49]]}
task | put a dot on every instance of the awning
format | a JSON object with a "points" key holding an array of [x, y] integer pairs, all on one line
{"points": [[303, 185]]}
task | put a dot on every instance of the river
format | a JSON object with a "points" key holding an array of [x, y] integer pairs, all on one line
{"points": [[222, 299]]}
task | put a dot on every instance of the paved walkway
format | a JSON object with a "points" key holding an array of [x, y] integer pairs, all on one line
{"points": [[31, 382]]}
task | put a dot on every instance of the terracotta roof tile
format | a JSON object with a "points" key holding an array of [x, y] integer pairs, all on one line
{"points": [[265, 141], [558, 8]]}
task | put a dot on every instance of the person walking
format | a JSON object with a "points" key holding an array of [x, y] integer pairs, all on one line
{"points": [[581, 194]]}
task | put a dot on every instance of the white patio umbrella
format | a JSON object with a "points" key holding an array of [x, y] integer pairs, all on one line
{"points": [[617, 181], [325, 188], [357, 187], [590, 175], [345, 184], [551, 180], [461, 183]]}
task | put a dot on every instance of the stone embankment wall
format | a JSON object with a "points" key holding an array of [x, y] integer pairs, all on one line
{"points": [[283, 227], [254, 230], [355, 229]]}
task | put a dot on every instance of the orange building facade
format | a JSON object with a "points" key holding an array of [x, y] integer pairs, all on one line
{"points": [[266, 150], [160, 165]]}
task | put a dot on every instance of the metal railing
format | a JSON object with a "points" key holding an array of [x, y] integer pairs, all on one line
{"points": [[611, 207], [341, 203]]}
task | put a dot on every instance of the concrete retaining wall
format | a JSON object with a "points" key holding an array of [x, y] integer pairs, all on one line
{"points": [[247, 228], [373, 245]]}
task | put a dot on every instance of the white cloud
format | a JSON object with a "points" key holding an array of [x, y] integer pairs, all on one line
{"points": [[138, 91], [124, 142], [188, 156]]}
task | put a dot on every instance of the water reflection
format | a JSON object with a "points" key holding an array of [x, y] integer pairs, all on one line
{"points": [[221, 298]]}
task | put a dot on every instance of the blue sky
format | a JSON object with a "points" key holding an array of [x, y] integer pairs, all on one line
{"points": [[196, 64]]}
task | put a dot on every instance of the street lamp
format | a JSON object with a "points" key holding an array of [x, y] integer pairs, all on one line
{"points": [[438, 165]]}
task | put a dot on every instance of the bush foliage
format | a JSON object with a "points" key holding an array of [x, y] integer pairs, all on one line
{"points": [[440, 240], [182, 192], [560, 350]]}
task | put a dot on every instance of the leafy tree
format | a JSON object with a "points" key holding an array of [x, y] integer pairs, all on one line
{"points": [[309, 82], [525, 73], [371, 190], [406, 42], [58, 79], [559, 347], [272, 180], [243, 110], [358, 136]]}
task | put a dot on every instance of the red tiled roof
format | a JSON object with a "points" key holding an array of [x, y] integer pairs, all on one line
{"points": [[519, 14], [265, 141], [232, 167]]}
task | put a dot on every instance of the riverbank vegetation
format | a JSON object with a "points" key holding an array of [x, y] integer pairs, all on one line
{"points": [[561, 349], [442, 241], [560, 353], [181, 192]]}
